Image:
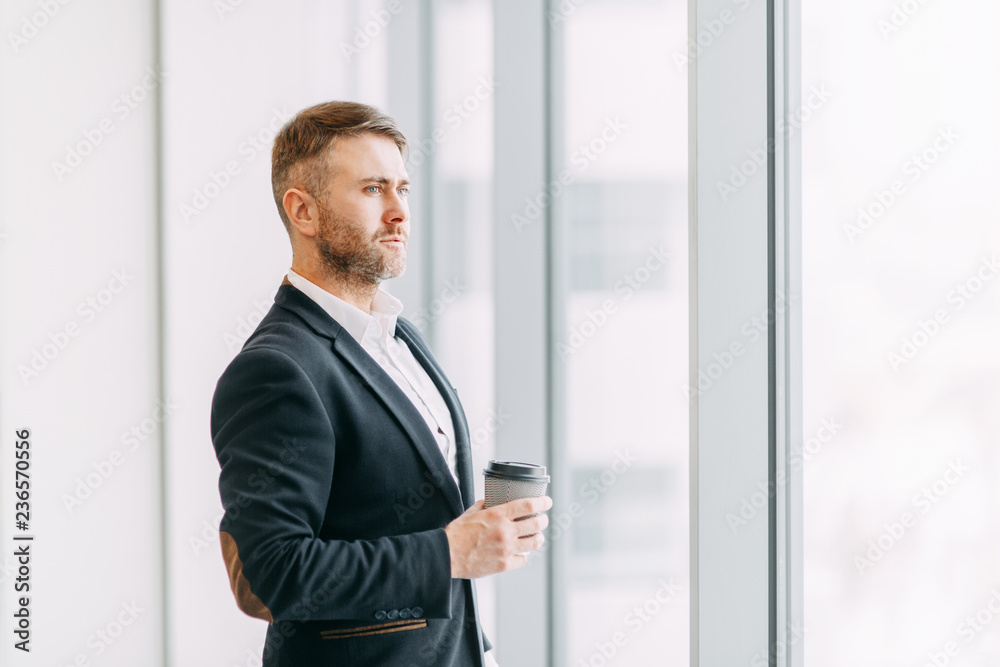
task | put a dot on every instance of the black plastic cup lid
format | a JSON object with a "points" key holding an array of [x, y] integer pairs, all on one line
{"points": [[525, 472]]}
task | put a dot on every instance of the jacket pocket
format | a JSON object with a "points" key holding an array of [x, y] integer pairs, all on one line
{"points": [[380, 629]]}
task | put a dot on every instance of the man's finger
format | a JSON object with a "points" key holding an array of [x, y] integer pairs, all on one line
{"points": [[530, 543], [533, 525], [517, 560], [537, 540], [516, 509]]}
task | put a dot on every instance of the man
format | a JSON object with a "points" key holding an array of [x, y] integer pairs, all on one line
{"points": [[333, 413]]}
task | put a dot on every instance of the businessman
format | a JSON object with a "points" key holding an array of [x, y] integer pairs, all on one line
{"points": [[334, 412]]}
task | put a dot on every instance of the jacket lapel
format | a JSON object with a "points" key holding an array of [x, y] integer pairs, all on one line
{"points": [[383, 386], [463, 451]]}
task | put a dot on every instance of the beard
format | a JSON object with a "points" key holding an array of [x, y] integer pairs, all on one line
{"points": [[351, 256]]}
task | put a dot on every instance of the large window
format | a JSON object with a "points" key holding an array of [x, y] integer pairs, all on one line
{"points": [[901, 312], [586, 312], [620, 348], [459, 308]]}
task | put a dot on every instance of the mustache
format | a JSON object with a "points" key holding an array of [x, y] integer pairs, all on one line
{"points": [[400, 234]]}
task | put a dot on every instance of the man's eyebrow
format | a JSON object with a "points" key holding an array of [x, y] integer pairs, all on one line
{"points": [[382, 180]]}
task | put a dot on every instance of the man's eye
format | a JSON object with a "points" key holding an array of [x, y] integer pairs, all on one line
{"points": [[403, 191], [372, 188]]}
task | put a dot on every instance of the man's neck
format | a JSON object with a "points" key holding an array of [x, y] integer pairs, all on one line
{"points": [[358, 294]]}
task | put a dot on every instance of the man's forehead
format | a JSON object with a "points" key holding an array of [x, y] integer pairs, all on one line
{"points": [[365, 156]]}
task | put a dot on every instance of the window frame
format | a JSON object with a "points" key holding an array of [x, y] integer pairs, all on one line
{"points": [[745, 261]]}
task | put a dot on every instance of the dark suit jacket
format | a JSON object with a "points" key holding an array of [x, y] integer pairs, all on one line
{"points": [[336, 498]]}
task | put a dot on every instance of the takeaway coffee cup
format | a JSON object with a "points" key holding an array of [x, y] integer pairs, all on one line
{"points": [[510, 480]]}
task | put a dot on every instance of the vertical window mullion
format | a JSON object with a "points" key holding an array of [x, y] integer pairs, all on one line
{"points": [[522, 293], [745, 411]]}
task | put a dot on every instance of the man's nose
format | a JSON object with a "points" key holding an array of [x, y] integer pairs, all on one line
{"points": [[396, 210]]}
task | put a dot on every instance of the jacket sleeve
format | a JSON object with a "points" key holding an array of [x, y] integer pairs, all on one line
{"points": [[275, 443]]}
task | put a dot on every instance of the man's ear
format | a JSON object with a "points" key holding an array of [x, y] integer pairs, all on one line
{"points": [[302, 211]]}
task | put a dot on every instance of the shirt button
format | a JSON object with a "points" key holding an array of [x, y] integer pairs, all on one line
{"points": [[417, 612], [393, 615], [380, 615]]}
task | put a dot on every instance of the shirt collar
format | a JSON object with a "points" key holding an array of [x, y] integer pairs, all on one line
{"points": [[381, 323]]}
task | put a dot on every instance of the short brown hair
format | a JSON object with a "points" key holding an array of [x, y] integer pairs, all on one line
{"points": [[299, 152]]}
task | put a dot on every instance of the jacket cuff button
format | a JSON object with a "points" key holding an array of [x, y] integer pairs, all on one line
{"points": [[380, 615]]}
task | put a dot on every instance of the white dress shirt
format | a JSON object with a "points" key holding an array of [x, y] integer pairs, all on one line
{"points": [[376, 333]]}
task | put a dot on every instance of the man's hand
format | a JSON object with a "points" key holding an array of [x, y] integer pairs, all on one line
{"points": [[487, 541]]}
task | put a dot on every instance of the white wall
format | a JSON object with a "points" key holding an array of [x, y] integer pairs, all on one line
{"points": [[66, 237]]}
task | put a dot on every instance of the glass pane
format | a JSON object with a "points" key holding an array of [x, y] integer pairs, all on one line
{"points": [[459, 315], [900, 329], [622, 344]]}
